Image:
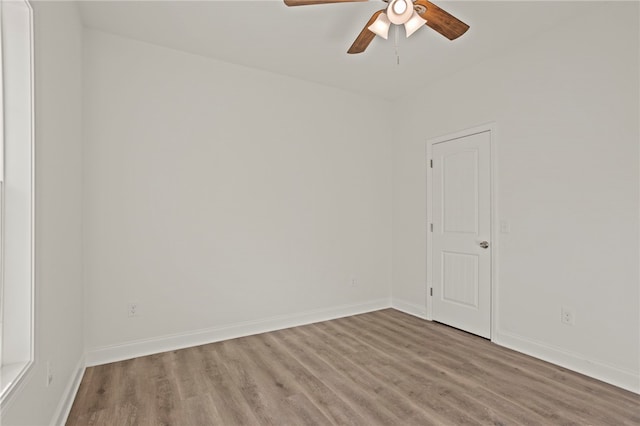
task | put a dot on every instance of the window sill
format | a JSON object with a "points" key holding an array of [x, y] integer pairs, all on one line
{"points": [[10, 376]]}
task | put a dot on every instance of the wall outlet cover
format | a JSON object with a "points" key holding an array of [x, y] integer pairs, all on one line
{"points": [[567, 315]]}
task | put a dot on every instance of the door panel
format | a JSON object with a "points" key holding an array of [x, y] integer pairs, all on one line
{"points": [[460, 278], [461, 188], [460, 195]]}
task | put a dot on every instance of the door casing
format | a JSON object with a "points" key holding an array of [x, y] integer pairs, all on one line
{"points": [[490, 127]]}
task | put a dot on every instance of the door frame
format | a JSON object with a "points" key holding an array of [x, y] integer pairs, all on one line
{"points": [[493, 189]]}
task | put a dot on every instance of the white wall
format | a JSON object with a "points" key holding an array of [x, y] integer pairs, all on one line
{"points": [[59, 300], [566, 109], [217, 195]]}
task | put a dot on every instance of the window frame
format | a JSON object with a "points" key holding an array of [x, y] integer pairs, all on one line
{"points": [[22, 293]]}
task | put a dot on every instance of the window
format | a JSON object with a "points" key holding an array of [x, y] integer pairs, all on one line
{"points": [[16, 194]]}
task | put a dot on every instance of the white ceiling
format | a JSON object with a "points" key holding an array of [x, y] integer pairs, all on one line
{"points": [[310, 42]]}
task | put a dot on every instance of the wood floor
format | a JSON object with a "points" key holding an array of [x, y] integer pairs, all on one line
{"points": [[380, 368]]}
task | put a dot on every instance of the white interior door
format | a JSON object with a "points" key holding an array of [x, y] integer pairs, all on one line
{"points": [[461, 246]]}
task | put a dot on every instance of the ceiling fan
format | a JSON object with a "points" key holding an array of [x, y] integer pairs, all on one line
{"points": [[412, 13]]}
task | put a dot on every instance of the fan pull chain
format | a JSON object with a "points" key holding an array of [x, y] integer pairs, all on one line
{"points": [[397, 31]]}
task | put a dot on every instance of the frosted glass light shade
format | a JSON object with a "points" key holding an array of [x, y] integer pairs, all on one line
{"points": [[399, 7], [399, 18], [414, 24], [381, 26]]}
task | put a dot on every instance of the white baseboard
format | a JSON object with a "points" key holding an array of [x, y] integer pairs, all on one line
{"points": [[409, 308], [128, 350], [624, 379], [64, 407]]}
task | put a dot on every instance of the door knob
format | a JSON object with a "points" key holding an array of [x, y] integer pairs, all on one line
{"points": [[484, 244]]}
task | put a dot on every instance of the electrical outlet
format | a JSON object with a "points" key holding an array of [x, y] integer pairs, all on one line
{"points": [[132, 309], [49, 374], [353, 280], [567, 315]]}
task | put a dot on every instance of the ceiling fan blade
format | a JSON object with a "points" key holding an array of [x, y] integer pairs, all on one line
{"points": [[310, 2], [365, 37], [441, 21]]}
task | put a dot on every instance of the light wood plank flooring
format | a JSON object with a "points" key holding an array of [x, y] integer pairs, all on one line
{"points": [[380, 368]]}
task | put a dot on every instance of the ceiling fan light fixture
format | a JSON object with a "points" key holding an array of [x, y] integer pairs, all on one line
{"points": [[414, 23], [400, 11], [381, 26]]}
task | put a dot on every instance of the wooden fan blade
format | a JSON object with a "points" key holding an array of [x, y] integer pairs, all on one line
{"points": [[310, 2], [441, 21], [365, 37]]}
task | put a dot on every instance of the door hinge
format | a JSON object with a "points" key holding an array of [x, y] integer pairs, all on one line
{"points": [[431, 227], [431, 163], [431, 291]]}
